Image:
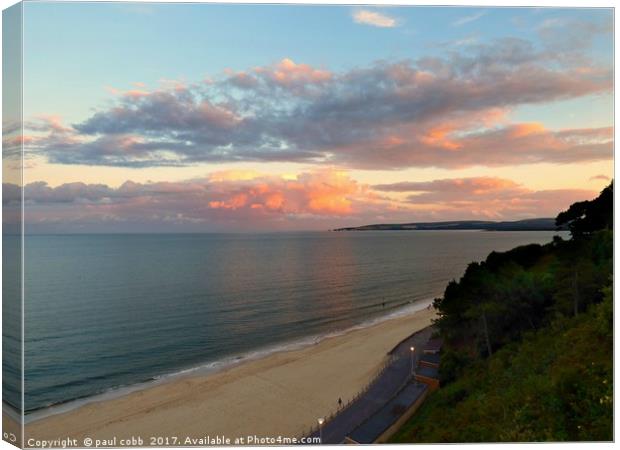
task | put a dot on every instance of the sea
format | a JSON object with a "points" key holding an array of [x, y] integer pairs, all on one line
{"points": [[108, 314]]}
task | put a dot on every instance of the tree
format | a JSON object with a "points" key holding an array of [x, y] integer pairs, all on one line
{"points": [[583, 218]]}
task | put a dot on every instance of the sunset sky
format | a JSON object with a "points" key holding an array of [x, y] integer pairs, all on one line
{"points": [[189, 117]]}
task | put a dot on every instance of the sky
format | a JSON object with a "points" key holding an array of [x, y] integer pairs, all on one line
{"points": [[196, 117]]}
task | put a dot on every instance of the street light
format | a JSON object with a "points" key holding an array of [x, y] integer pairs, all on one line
{"points": [[412, 353], [320, 420]]}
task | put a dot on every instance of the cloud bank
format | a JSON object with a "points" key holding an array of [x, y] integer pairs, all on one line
{"points": [[245, 201], [448, 112]]}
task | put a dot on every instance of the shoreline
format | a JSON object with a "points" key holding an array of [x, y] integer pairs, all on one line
{"points": [[278, 393], [217, 366]]}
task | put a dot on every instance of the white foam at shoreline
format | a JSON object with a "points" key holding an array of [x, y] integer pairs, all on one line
{"points": [[222, 364]]}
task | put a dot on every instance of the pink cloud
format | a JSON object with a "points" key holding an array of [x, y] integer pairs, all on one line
{"points": [[14, 142], [287, 72], [312, 200], [374, 18], [323, 193], [600, 177], [486, 197], [448, 112], [458, 144]]}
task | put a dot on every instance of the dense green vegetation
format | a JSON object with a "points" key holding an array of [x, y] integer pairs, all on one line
{"points": [[528, 353]]}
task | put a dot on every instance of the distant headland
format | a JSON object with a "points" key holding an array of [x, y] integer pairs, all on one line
{"points": [[541, 224]]}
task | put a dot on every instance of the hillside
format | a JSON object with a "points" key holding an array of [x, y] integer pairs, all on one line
{"points": [[528, 334], [556, 385]]}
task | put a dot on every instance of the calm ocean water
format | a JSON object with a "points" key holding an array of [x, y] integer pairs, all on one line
{"points": [[104, 311]]}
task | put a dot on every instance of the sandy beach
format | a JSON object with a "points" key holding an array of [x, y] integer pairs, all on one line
{"points": [[280, 394]]}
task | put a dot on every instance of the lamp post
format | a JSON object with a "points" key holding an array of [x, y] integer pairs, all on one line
{"points": [[412, 353], [320, 420]]}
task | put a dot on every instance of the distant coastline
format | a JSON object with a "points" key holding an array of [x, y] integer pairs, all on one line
{"points": [[540, 224]]}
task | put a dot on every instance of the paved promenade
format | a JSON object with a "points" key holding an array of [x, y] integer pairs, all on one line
{"points": [[383, 388]]}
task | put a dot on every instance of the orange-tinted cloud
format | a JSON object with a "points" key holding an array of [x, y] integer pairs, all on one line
{"points": [[447, 112], [13, 142], [325, 192], [438, 137], [526, 129], [462, 145], [287, 72], [312, 200], [486, 197], [600, 177], [459, 186], [233, 175]]}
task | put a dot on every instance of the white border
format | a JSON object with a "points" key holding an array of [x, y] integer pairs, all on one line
{"points": [[482, 3]]}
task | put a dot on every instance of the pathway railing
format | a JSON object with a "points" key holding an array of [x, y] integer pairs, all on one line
{"points": [[348, 417], [314, 430]]}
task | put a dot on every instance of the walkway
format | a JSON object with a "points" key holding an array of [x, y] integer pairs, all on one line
{"points": [[374, 429], [382, 389]]}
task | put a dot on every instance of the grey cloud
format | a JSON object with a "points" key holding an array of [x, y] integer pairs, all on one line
{"points": [[294, 112]]}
